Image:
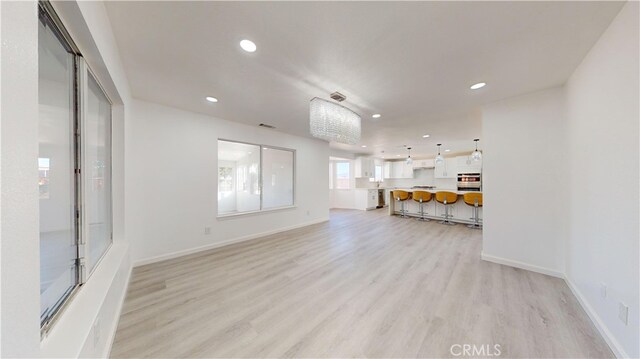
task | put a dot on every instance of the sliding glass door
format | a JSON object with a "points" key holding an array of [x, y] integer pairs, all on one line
{"points": [[56, 165]]}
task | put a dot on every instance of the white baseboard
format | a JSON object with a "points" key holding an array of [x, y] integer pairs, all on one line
{"points": [[185, 252], [613, 344], [521, 265], [595, 319]]}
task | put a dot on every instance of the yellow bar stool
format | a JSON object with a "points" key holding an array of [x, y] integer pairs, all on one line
{"points": [[401, 196], [447, 199], [475, 200], [422, 197]]}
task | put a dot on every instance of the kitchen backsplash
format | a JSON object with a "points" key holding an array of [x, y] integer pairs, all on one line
{"points": [[421, 177]]}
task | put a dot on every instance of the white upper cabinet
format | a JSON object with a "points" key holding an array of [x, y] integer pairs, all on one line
{"points": [[466, 165], [423, 164], [397, 169], [365, 167], [446, 169]]}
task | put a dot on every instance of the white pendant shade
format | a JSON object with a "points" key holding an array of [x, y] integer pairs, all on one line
{"points": [[333, 122], [476, 155], [439, 159]]}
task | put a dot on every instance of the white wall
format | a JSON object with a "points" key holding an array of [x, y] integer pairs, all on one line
{"points": [[172, 191], [524, 180], [603, 148], [19, 256], [97, 302], [561, 182]]}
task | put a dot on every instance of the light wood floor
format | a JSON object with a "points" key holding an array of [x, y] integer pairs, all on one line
{"points": [[363, 284]]}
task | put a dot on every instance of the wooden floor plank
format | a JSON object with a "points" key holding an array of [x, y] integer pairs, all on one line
{"points": [[364, 284]]}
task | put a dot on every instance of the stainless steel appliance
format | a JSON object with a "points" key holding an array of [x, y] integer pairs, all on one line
{"points": [[469, 182], [423, 187], [380, 198]]}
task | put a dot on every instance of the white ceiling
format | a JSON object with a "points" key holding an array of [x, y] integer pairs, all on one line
{"points": [[413, 62]]}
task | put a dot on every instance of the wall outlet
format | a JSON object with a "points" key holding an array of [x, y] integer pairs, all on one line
{"points": [[207, 230], [623, 313], [603, 290], [96, 332]]}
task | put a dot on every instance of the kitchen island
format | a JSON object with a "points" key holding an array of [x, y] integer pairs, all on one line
{"points": [[461, 212]]}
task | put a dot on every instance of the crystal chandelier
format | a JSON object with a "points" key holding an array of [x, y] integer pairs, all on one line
{"points": [[439, 158], [476, 155], [333, 122]]}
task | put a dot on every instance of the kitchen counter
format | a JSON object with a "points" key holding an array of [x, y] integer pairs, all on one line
{"points": [[434, 190], [461, 212]]}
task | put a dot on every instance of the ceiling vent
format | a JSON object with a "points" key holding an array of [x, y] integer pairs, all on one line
{"points": [[338, 96], [265, 125]]}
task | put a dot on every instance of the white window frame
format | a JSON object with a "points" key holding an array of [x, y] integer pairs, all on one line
{"points": [[260, 184]]}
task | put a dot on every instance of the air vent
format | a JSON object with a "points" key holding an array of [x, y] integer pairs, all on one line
{"points": [[265, 125], [338, 96]]}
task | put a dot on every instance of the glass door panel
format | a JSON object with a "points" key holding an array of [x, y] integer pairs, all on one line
{"points": [[96, 171], [56, 165]]}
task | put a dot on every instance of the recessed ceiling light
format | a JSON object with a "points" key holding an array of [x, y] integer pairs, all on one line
{"points": [[479, 85], [363, 146], [376, 115], [211, 99], [248, 45], [447, 150], [397, 155], [425, 136]]}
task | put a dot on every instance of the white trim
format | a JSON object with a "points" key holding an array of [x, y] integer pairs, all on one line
{"points": [[259, 211], [114, 328], [521, 265], [185, 252], [615, 347]]}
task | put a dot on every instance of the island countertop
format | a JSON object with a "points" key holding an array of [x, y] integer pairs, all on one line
{"points": [[432, 190]]}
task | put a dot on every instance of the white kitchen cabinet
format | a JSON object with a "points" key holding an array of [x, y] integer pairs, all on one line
{"points": [[365, 167], [447, 169], [397, 169], [423, 164], [466, 165], [366, 199]]}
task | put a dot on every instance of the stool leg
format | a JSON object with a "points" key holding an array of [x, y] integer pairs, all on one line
{"points": [[402, 211], [476, 217], [447, 215], [422, 213]]}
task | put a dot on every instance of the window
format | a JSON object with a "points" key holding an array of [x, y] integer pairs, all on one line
{"points": [[343, 177], [378, 177], [254, 177], [74, 167]]}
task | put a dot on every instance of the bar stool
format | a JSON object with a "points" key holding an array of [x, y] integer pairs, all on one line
{"points": [[401, 196], [447, 199], [422, 197], [475, 200]]}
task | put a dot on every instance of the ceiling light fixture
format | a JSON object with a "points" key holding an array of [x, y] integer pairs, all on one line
{"points": [[447, 150], [248, 45], [425, 136], [409, 161], [476, 155], [364, 146], [376, 115], [333, 122], [211, 99], [439, 158], [479, 85]]}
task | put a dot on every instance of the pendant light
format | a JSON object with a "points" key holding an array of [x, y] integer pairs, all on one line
{"points": [[409, 160], [439, 158], [476, 155]]}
